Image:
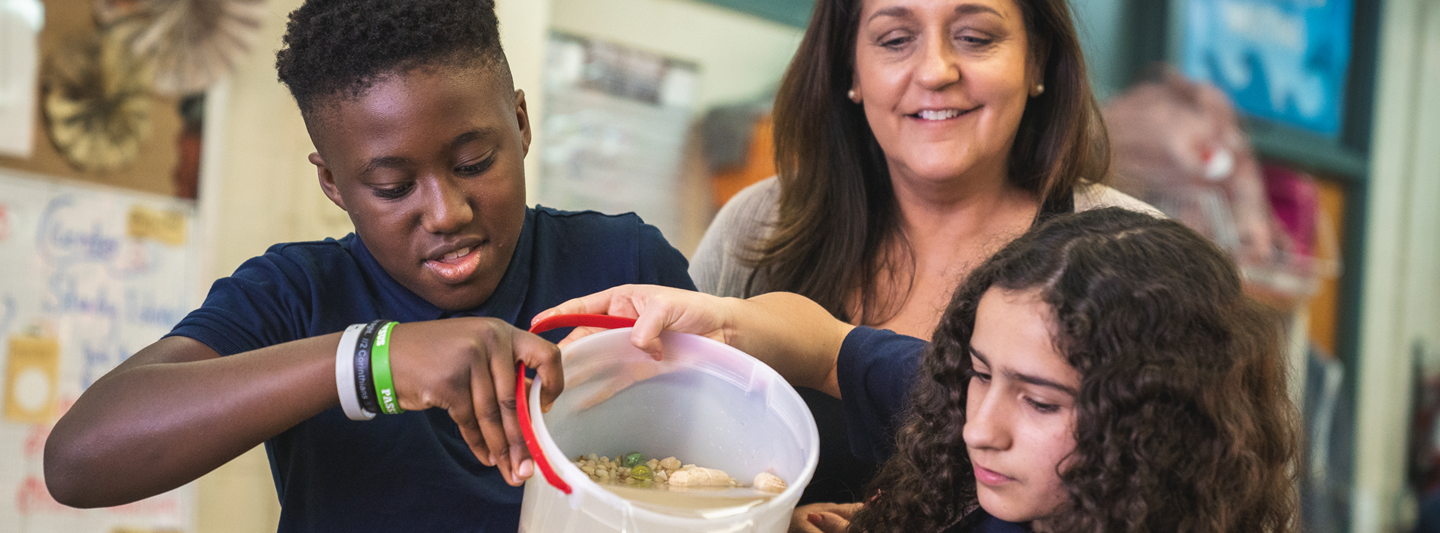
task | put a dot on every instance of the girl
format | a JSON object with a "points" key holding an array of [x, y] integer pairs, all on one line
{"points": [[1103, 372]]}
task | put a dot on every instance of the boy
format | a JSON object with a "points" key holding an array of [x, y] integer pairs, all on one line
{"points": [[420, 137]]}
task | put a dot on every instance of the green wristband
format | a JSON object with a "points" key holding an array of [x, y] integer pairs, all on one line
{"points": [[380, 367]]}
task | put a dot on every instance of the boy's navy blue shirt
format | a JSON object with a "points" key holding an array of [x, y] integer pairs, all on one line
{"points": [[412, 471]]}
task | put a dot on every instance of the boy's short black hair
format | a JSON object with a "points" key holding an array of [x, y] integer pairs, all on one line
{"points": [[343, 46]]}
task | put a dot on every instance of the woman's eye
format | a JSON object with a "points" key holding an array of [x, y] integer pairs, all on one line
{"points": [[1043, 407], [895, 42], [974, 374], [974, 40], [392, 193], [475, 169]]}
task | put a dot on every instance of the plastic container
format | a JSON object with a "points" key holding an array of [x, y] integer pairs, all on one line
{"points": [[706, 404]]}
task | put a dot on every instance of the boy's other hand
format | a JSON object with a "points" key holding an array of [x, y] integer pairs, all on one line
{"points": [[655, 309], [467, 367]]}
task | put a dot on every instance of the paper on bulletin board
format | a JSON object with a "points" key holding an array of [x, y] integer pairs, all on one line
{"points": [[90, 275], [1286, 61], [20, 24]]}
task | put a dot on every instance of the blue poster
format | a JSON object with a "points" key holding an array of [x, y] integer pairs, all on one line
{"points": [[1281, 60]]}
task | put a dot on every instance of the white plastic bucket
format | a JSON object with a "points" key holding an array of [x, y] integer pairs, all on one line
{"points": [[707, 404]]}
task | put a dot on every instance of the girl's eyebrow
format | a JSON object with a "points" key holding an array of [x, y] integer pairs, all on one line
{"points": [[1027, 378]]}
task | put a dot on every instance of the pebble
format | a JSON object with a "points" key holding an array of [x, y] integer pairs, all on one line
{"points": [[641, 473], [632, 459], [634, 468]]}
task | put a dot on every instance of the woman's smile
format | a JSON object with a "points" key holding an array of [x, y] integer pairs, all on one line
{"points": [[934, 115]]}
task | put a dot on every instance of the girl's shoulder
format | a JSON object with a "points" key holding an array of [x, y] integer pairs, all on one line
{"points": [[1090, 195]]}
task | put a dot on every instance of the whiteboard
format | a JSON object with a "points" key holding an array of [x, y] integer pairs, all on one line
{"points": [[88, 276]]}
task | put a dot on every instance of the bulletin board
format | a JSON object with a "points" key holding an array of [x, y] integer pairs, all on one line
{"points": [[88, 275], [1281, 61]]}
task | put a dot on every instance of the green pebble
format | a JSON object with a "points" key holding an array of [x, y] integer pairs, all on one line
{"points": [[630, 460], [641, 473]]}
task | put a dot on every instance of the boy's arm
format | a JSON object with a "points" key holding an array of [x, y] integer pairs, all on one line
{"points": [[176, 409]]}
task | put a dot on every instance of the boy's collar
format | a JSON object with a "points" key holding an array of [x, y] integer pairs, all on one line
{"points": [[503, 304]]}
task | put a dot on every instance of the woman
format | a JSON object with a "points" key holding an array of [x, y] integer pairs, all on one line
{"points": [[913, 139]]}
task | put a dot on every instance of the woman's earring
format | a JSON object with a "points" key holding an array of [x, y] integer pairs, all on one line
{"points": [[1039, 89], [852, 96]]}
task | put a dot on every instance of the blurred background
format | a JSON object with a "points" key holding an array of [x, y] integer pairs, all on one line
{"points": [[147, 149]]}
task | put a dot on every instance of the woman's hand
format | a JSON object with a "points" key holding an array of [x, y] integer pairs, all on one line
{"points": [[655, 309], [792, 334], [822, 517], [467, 367]]}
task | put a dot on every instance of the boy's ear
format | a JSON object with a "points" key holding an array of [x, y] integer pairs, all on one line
{"points": [[522, 116], [327, 181]]}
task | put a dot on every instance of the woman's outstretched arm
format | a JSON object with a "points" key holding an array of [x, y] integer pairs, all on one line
{"points": [[789, 332]]}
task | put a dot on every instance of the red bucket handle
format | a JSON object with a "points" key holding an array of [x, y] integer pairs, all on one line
{"points": [[522, 399]]}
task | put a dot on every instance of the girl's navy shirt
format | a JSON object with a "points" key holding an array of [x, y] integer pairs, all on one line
{"points": [[979, 521], [876, 369], [412, 471]]}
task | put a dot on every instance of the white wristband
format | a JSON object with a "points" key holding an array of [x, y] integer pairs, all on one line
{"points": [[345, 374]]}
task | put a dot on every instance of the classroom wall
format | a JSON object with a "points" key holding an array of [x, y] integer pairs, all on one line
{"points": [[1400, 307], [741, 56], [1098, 23]]}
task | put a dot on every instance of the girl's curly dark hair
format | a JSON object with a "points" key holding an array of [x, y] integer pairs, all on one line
{"points": [[1183, 422], [343, 46]]}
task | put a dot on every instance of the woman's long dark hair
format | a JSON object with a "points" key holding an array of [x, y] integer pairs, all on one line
{"points": [[1182, 420], [837, 212]]}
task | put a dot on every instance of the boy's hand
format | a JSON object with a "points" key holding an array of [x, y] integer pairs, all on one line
{"points": [[467, 367], [656, 309]]}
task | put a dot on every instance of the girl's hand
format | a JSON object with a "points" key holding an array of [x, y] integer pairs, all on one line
{"points": [[656, 309], [823, 517], [467, 367]]}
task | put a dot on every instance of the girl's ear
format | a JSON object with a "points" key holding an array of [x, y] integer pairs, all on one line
{"points": [[327, 181]]}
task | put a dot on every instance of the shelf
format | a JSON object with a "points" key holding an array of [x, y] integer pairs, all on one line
{"points": [[1312, 152]]}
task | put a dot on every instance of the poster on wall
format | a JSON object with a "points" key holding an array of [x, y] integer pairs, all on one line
{"points": [[616, 121], [1284, 61], [91, 275]]}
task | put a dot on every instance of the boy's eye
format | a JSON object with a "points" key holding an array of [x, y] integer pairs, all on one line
{"points": [[393, 193], [476, 168]]}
